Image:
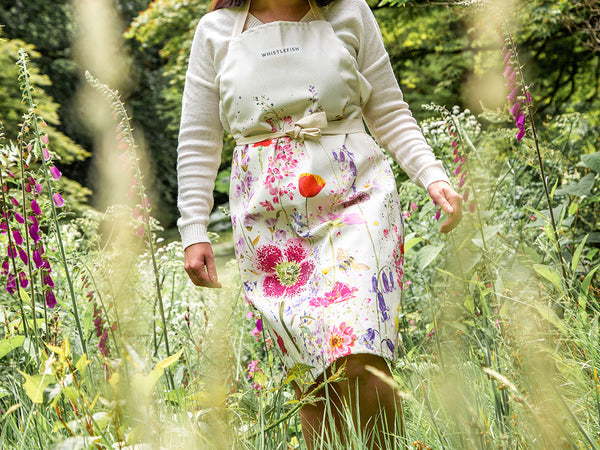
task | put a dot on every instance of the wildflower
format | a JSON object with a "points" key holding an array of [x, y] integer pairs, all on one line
{"points": [[23, 280], [102, 344], [34, 232], [44, 139], [256, 331], [37, 258], [253, 367], [50, 299], [48, 280], [17, 237], [58, 200], [35, 208], [55, 172], [11, 284], [23, 256], [510, 75]]}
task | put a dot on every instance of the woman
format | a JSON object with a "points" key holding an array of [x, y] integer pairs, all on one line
{"points": [[315, 211]]}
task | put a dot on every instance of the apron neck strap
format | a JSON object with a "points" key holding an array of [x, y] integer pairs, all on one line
{"points": [[316, 10], [240, 20]]}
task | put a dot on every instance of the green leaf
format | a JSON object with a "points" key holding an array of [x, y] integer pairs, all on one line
{"points": [[580, 188], [35, 384], [577, 254], [488, 233], [144, 384], [469, 303], [24, 296], [587, 282], [549, 274], [410, 243], [592, 161], [8, 345], [169, 361], [427, 254]]}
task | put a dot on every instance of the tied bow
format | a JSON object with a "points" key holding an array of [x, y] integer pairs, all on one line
{"points": [[309, 127]]}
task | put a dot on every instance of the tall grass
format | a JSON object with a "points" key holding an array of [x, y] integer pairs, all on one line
{"points": [[499, 349]]}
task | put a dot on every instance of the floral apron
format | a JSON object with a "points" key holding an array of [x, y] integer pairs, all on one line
{"points": [[316, 217]]}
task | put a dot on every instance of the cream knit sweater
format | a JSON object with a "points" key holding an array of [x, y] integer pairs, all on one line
{"points": [[200, 139]]}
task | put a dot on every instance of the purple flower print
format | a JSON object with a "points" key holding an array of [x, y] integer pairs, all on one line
{"points": [[383, 307], [368, 338], [390, 344], [286, 269]]}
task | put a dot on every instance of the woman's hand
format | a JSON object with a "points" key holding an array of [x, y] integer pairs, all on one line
{"points": [[450, 202], [200, 265]]}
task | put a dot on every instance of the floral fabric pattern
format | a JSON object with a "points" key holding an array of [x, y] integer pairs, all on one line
{"points": [[318, 236], [317, 222]]}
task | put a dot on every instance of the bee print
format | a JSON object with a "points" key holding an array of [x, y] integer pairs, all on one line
{"points": [[347, 263]]}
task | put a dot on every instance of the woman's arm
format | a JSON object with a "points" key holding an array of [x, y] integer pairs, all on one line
{"points": [[390, 121], [198, 158]]}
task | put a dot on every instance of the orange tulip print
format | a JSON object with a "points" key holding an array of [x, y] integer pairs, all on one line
{"points": [[310, 185]]}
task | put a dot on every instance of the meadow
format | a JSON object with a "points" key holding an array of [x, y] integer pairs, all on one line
{"points": [[105, 343]]}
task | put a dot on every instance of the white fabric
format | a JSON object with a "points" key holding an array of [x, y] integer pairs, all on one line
{"points": [[312, 127], [317, 222], [202, 122]]}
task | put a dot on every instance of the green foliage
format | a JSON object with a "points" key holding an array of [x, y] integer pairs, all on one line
{"points": [[498, 347], [12, 109]]}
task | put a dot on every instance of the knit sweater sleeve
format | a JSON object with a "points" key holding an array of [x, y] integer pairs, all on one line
{"points": [[386, 113], [200, 139]]}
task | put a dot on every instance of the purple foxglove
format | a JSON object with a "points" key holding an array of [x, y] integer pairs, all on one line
{"points": [[23, 281], [48, 280], [34, 232], [37, 258], [17, 237], [50, 299], [35, 208], [58, 200], [55, 172], [23, 256]]}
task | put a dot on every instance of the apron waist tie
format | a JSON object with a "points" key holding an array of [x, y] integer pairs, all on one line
{"points": [[310, 127]]}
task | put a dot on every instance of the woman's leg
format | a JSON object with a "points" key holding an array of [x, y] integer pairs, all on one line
{"points": [[317, 425], [373, 404]]}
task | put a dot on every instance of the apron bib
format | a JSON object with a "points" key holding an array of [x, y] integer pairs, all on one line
{"points": [[316, 217]]}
